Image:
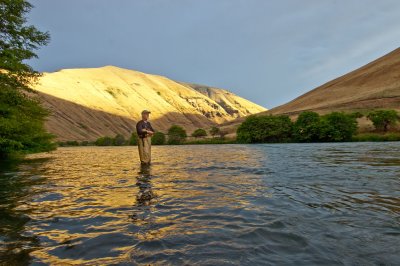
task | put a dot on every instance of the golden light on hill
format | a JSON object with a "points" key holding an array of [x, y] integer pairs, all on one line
{"points": [[93, 102], [373, 86]]}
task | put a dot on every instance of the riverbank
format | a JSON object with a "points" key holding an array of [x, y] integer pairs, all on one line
{"points": [[361, 137], [391, 136]]}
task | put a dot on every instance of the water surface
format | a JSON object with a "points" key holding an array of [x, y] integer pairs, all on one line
{"points": [[289, 204]]}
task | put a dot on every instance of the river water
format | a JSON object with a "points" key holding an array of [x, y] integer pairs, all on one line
{"points": [[277, 204]]}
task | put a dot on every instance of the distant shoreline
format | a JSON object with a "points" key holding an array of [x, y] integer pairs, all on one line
{"points": [[361, 137]]}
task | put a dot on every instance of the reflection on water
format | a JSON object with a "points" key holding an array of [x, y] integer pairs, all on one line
{"points": [[295, 204], [145, 194], [17, 188], [144, 184]]}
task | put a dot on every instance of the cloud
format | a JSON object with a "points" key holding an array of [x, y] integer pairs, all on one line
{"points": [[267, 51]]}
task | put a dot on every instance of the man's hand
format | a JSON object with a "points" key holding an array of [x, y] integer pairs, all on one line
{"points": [[151, 133]]}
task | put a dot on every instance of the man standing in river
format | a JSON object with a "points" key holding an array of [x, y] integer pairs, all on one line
{"points": [[145, 131]]}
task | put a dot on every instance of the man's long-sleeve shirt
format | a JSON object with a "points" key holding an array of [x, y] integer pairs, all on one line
{"points": [[140, 126]]}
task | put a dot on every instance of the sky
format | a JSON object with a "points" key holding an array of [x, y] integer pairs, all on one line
{"points": [[267, 51]]}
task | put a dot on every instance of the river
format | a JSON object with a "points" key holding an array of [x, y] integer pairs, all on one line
{"points": [[272, 204]]}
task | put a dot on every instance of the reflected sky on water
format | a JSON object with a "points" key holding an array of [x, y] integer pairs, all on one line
{"points": [[292, 204]]}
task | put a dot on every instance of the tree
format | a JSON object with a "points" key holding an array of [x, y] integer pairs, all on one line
{"points": [[176, 134], [307, 127], [214, 131], [119, 140], [158, 138], [383, 119], [21, 115], [133, 140], [356, 114], [104, 141], [72, 143], [337, 127], [265, 128], [222, 134], [199, 133], [84, 143]]}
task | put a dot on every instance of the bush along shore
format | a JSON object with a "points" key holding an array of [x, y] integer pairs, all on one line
{"points": [[312, 127], [308, 127], [176, 135]]}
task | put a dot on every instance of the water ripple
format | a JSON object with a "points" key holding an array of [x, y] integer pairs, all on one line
{"points": [[290, 204]]}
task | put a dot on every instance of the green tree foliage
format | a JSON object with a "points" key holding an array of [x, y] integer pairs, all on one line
{"points": [[84, 143], [199, 133], [337, 126], [383, 119], [119, 140], [133, 140], [158, 138], [265, 128], [356, 115], [104, 141], [72, 143], [307, 127], [21, 116], [176, 135], [214, 131]]}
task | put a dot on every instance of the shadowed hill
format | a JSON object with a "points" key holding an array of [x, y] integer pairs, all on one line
{"points": [[71, 121], [375, 85], [117, 92]]}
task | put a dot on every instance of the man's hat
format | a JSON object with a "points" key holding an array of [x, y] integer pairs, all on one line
{"points": [[146, 112]]}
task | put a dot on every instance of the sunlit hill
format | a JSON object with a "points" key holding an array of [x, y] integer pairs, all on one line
{"points": [[93, 102]]}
